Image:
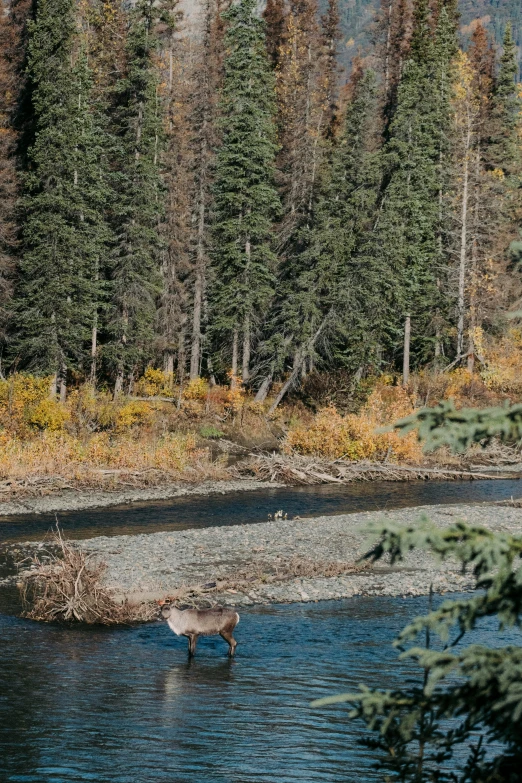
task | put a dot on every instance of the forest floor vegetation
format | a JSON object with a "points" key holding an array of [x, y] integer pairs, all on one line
{"points": [[162, 433]]}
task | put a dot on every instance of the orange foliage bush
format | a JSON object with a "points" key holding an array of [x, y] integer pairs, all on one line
{"points": [[59, 453], [502, 372], [355, 436]]}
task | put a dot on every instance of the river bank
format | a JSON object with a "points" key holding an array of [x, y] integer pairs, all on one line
{"points": [[78, 500], [284, 561]]}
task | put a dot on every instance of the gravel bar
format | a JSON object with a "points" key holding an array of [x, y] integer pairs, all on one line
{"points": [[145, 567]]}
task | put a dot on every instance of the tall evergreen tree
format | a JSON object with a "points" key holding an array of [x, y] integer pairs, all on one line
{"points": [[135, 283], [407, 234], [504, 146], [64, 230], [208, 78], [246, 200], [178, 177], [328, 300], [13, 45]]}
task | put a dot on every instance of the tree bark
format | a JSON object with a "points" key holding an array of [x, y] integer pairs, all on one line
{"points": [[263, 389], [199, 283], [246, 350], [300, 357], [118, 384], [233, 378], [53, 387], [463, 246], [168, 363], [406, 354]]}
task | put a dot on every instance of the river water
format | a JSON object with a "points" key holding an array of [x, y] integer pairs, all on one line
{"points": [[243, 507], [126, 706], [93, 705]]}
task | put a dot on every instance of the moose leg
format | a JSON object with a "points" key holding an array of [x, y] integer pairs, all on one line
{"points": [[193, 638], [232, 644]]}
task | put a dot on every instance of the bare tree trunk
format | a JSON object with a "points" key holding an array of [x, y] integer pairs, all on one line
{"points": [[181, 365], [245, 370], [199, 283], [235, 340], [438, 350], [300, 357], [53, 387], [181, 356], [168, 363], [463, 247], [63, 384], [288, 383], [94, 334], [246, 350], [474, 265], [118, 384], [406, 354], [263, 389]]}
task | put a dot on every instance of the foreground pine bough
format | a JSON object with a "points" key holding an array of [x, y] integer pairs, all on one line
{"points": [[462, 721]]}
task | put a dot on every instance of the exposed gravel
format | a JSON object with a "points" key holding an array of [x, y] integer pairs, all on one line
{"points": [[144, 567], [77, 500]]}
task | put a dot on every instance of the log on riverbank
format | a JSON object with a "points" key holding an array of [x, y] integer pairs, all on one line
{"points": [[301, 470]]}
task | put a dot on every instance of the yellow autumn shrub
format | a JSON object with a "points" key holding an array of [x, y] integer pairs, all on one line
{"points": [[131, 414], [356, 436], [196, 389], [502, 372], [53, 453], [21, 394], [49, 414], [154, 383]]}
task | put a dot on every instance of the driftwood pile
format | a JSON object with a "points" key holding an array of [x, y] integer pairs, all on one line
{"points": [[65, 584], [297, 469]]}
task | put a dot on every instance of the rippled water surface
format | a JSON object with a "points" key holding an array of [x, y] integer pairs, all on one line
{"points": [[126, 706], [242, 507]]}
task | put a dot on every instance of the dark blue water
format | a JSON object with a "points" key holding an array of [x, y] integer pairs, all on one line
{"points": [[126, 706], [240, 508]]}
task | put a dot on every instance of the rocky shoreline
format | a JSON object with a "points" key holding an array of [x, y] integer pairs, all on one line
{"points": [[285, 561], [78, 500]]}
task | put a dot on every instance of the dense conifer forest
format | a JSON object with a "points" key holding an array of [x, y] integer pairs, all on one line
{"points": [[224, 199]]}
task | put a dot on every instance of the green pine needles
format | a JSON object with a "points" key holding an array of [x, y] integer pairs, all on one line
{"points": [[246, 200], [467, 697], [135, 280], [408, 231], [462, 721], [64, 231]]}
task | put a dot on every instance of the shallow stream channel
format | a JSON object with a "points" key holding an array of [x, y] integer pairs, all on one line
{"points": [[125, 705]]}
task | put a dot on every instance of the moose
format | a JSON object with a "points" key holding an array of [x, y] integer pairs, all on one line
{"points": [[193, 623]]}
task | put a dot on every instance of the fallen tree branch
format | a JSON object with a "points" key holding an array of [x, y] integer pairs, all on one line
{"points": [[66, 584], [298, 469]]}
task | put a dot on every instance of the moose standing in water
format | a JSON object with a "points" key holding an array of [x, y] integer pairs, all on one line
{"points": [[201, 622]]}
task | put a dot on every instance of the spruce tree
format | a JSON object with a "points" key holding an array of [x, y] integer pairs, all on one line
{"points": [[335, 279], [135, 279], [12, 57], [246, 200], [504, 146], [408, 230], [63, 227]]}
